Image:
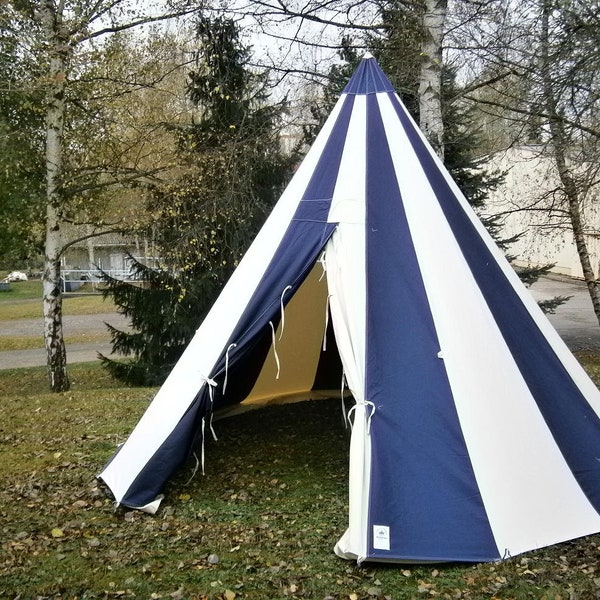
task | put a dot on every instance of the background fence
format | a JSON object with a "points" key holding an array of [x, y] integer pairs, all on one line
{"points": [[73, 280]]}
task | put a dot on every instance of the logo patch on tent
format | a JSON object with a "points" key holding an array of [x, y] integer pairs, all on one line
{"points": [[381, 537]]}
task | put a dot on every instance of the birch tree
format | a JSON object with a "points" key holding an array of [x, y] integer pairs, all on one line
{"points": [[563, 114], [540, 78], [59, 51], [430, 83], [64, 31]]}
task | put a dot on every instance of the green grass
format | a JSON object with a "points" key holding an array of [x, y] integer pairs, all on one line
{"points": [[32, 290], [591, 363], [28, 308], [24, 301], [271, 505], [22, 290], [15, 342]]}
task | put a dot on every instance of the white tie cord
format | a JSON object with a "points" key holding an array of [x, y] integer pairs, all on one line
{"points": [[289, 287], [365, 403], [274, 342], [231, 346]]}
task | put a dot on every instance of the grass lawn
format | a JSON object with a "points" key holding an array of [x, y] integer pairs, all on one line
{"points": [[22, 290], [18, 342], [24, 301], [267, 512]]}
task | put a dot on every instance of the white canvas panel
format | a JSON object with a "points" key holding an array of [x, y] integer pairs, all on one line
{"points": [[353, 544], [345, 253], [345, 263], [529, 492]]}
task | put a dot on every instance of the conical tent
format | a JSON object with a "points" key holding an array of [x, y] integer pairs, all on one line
{"points": [[476, 433]]}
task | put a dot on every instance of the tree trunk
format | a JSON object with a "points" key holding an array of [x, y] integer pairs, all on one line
{"points": [[430, 84], [560, 147], [51, 19]]}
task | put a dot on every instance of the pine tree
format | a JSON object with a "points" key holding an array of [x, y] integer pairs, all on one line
{"points": [[230, 174]]}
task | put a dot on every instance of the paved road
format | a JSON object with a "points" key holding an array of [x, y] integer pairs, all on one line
{"points": [[575, 322], [73, 325]]}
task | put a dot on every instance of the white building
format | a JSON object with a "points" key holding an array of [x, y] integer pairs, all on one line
{"points": [[531, 204]]}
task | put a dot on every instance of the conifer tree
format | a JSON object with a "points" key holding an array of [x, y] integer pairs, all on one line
{"points": [[230, 173]]}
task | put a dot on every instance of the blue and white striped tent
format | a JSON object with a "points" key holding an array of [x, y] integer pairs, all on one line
{"points": [[476, 433]]}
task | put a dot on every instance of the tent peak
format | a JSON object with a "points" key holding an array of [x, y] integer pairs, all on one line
{"points": [[368, 78]]}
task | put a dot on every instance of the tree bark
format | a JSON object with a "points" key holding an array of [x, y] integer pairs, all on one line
{"points": [[430, 84], [560, 146], [51, 19]]}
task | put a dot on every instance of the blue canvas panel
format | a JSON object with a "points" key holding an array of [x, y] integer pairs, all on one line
{"points": [[572, 421], [422, 483], [175, 450]]}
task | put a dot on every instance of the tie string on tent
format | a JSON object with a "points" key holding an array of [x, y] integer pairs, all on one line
{"points": [[326, 322], [282, 309], [211, 383], [369, 418], [323, 263], [345, 417], [231, 346]]}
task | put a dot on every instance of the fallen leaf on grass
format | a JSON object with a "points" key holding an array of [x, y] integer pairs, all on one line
{"points": [[424, 588], [57, 532]]}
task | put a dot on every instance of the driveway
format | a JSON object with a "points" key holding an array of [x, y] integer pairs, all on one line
{"points": [[72, 325], [575, 322]]}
